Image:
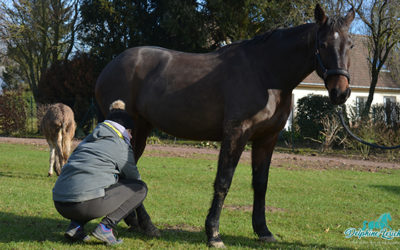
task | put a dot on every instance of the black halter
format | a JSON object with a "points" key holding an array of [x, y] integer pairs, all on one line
{"points": [[328, 72]]}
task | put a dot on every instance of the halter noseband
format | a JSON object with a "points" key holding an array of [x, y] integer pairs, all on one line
{"points": [[328, 72]]}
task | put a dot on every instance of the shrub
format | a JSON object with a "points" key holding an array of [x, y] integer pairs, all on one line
{"points": [[383, 129], [13, 108], [153, 140], [330, 132], [311, 109], [388, 114]]}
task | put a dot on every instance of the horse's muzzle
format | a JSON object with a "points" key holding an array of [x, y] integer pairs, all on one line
{"points": [[339, 97]]}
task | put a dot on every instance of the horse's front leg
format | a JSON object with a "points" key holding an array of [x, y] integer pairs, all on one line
{"points": [[231, 148], [261, 158]]}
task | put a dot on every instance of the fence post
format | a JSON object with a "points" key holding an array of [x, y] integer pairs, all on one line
{"points": [[292, 127], [31, 104]]}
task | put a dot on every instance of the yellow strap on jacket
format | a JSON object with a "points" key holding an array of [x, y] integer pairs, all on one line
{"points": [[116, 130]]}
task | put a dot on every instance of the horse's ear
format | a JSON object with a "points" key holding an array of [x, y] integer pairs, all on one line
{"points": [[319, 14], [350, 16]]}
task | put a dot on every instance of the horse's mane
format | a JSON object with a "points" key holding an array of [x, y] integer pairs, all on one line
{"points": [[259, 38], [334, 23]]}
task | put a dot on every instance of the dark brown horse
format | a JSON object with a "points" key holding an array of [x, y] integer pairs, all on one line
{"points": [[239, 93]]}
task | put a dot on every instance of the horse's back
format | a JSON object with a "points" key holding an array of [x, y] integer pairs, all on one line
{"points": [[170, 89]]}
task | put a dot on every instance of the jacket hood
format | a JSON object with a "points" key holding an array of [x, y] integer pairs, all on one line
{"points": [[101, 131]]}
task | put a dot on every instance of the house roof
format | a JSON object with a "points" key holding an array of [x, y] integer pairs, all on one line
{"points": [[359, 69]]}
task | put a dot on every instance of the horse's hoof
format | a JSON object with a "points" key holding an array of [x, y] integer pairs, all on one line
{"points": [[154, 233], [268, 239], [150, 230], [49, 175], [216, 244]]}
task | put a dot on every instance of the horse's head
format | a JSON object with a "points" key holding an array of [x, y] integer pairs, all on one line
{"points": [[332, 53]]}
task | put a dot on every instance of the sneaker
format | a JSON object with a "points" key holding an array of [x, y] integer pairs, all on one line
{"points": [[105, 234], [75, 232]]}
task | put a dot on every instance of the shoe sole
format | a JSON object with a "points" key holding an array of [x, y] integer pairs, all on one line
{"points": [[74, 239], [101, 238]]}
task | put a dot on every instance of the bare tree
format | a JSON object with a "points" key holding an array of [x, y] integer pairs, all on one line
{"points": [[382, 19], [394, 63], [36, 34]]}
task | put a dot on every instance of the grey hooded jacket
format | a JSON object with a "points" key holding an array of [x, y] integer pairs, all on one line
{"points": [[97, 163]]}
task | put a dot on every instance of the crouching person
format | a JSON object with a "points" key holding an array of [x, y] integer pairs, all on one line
{"points": [[100, 179]]}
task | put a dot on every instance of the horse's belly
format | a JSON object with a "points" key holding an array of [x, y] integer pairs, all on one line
{"points": [[194, 118]]}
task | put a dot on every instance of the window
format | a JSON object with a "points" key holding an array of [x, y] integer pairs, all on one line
{"points": [[389, 100], [389, 104], [360, 104]]}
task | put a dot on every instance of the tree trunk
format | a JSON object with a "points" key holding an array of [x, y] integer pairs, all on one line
{"points": [[372, 87]]}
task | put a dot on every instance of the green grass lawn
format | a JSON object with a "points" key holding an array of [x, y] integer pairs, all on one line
{"points": [[306, 208]]}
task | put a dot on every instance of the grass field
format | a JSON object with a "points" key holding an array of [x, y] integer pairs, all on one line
{"points": [[306, 208]]}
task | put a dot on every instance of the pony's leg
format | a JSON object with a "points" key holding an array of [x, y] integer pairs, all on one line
{"points": [[67, 148], [261, 158], [52, 159], [232, 147], [68, 138], [59, 154]]}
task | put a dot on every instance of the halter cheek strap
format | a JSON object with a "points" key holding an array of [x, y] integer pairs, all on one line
{"points": [[328, 72]]}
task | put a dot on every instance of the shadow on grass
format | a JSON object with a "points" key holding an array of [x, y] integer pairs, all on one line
{"points": [[23, 175], [388, 188], [199, 238], [16, 228], [21, 228]]}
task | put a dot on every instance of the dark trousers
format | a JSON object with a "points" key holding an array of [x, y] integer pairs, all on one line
{"points": [[119, 201]]}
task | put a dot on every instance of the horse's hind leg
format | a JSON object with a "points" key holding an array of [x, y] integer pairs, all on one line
{"points": [[59, 153], [232, 147], [142, 131], [52, 159], [261, 158]]}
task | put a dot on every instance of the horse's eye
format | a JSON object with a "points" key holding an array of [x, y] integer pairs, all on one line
{"points": [[351, 46]]}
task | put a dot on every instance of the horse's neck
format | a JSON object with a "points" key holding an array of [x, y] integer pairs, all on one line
{"points": [[290, 55]]}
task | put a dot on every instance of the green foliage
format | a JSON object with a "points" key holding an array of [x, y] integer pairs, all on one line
{"points": [[71, 82], [179, 25], [153, 140], [208, 144], [311, 109], [13, 116], [110, 27], [232, 20]]}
